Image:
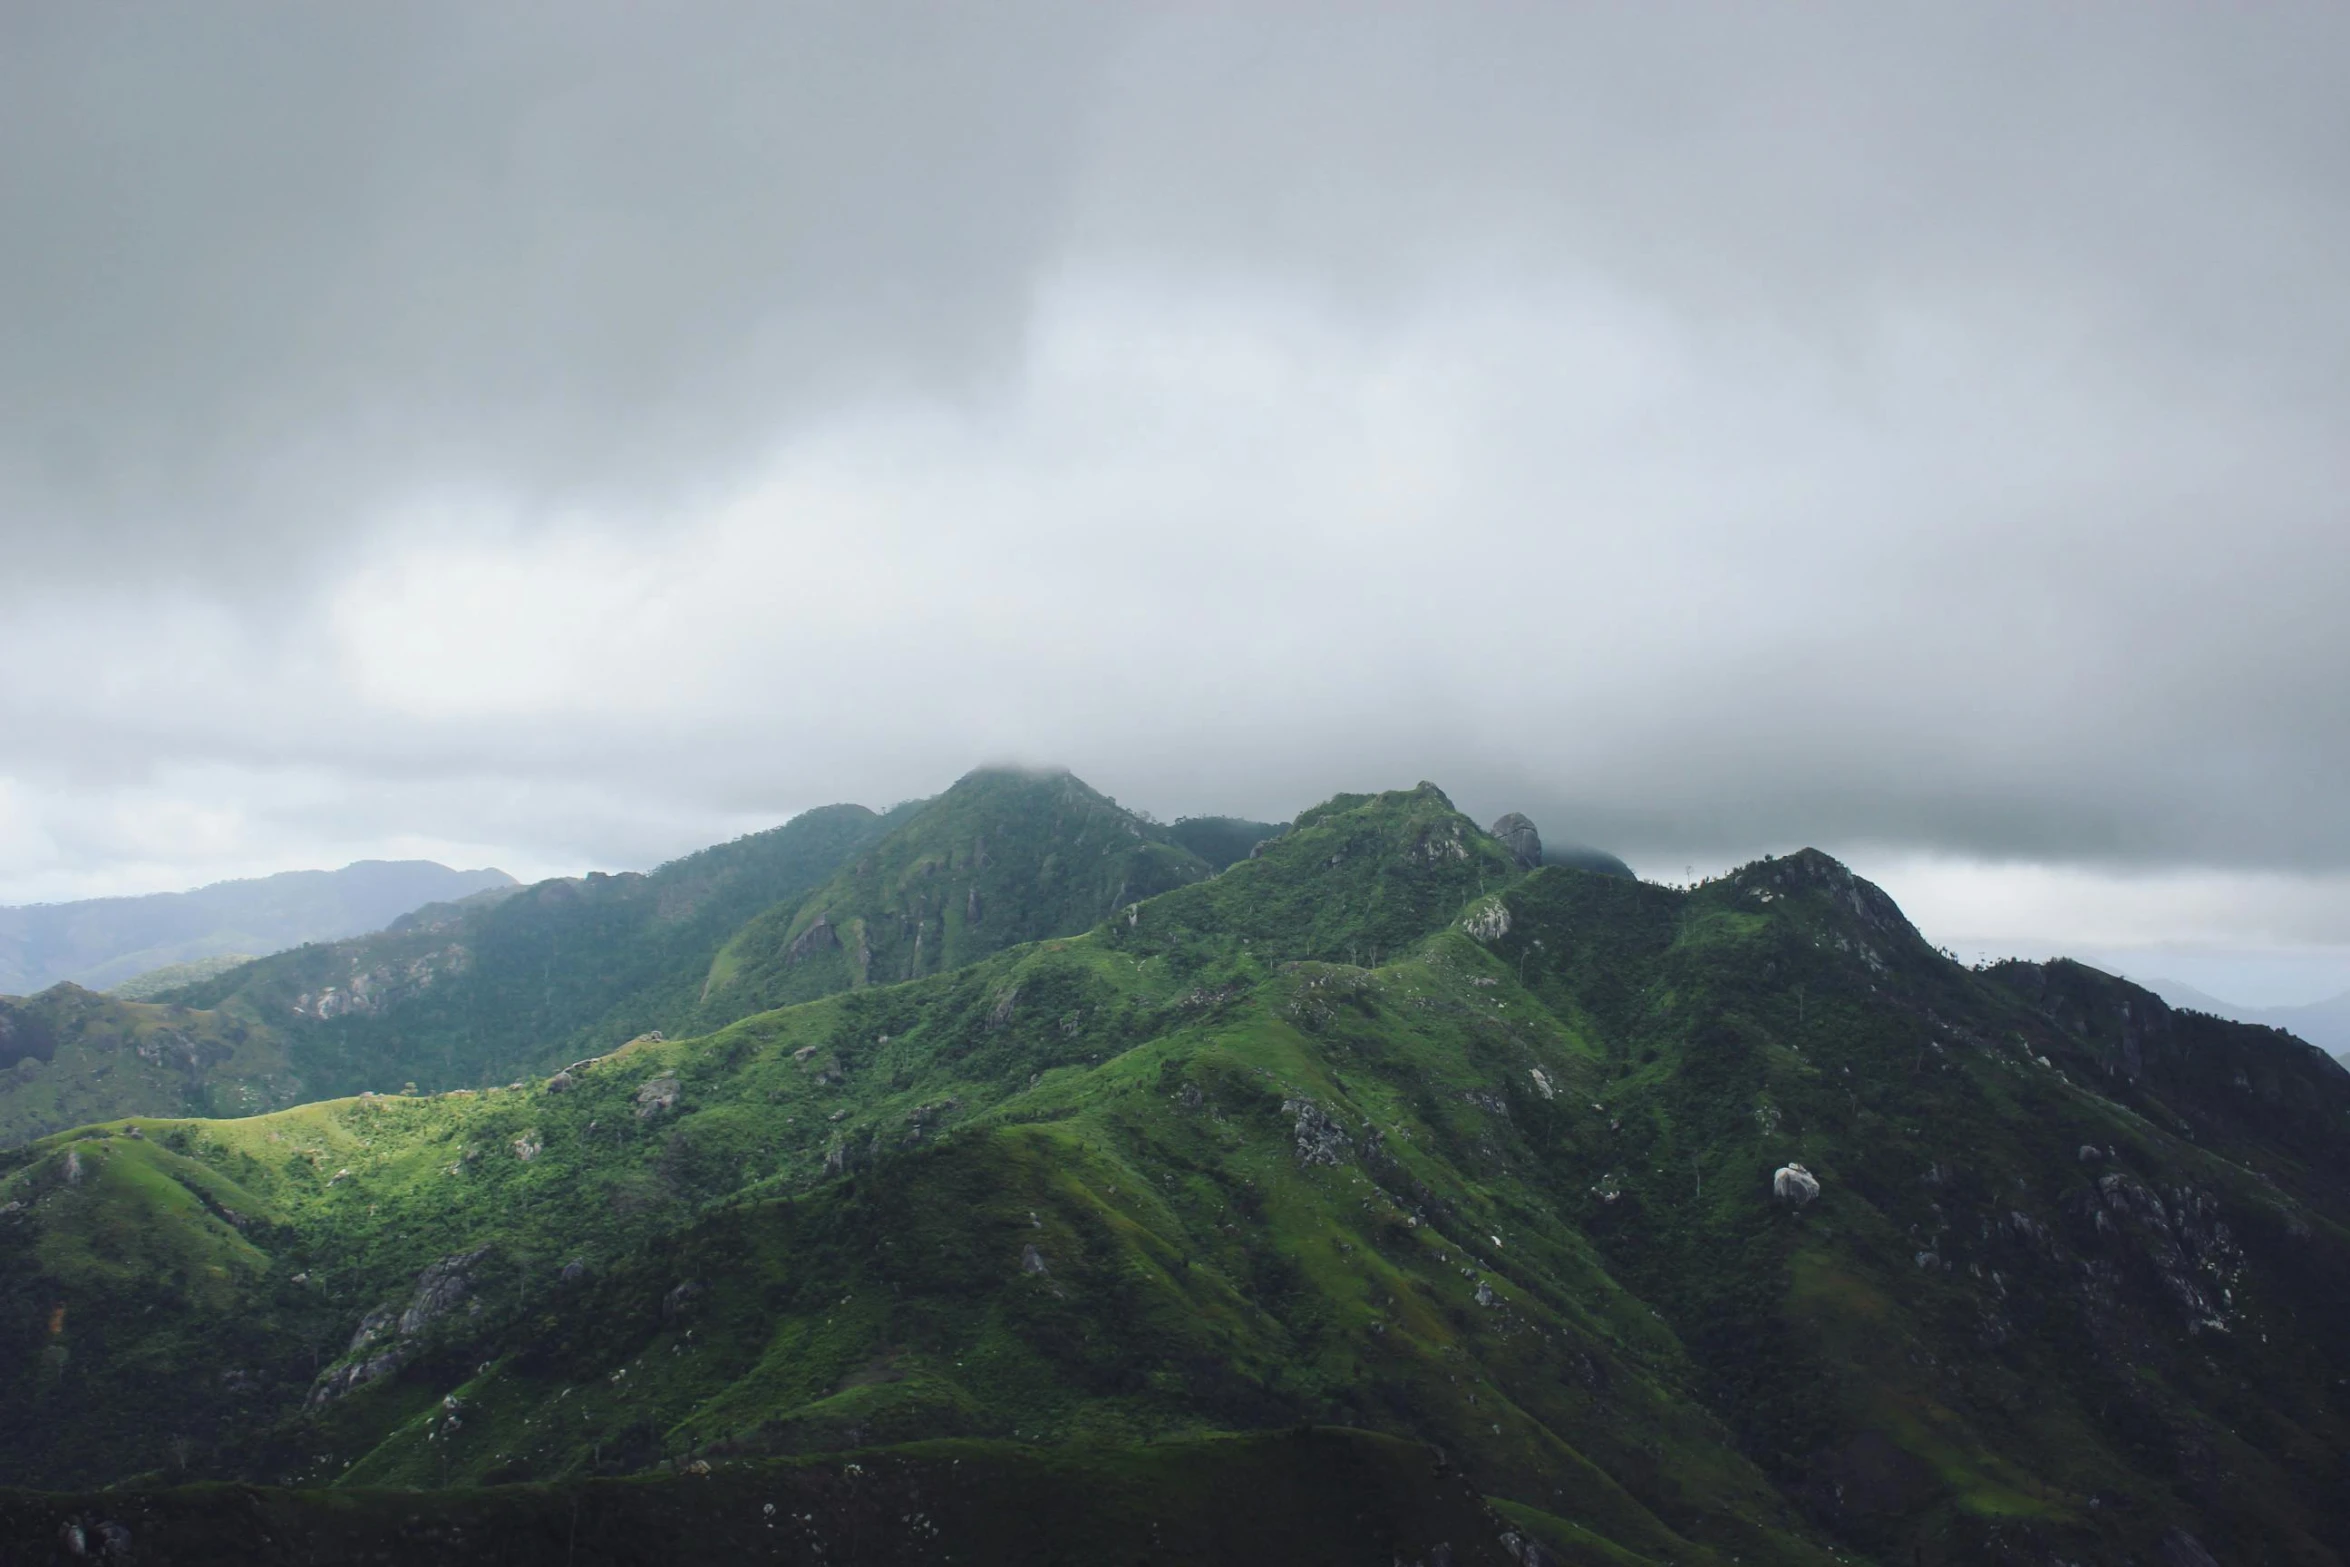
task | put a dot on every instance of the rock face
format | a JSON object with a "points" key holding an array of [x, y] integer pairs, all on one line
{"points": [[1794, 1185], [441, 1289], [1517, 835], [374, 991], [818, 937], [656, 1095], [1488, 921], [1320, 1139]]}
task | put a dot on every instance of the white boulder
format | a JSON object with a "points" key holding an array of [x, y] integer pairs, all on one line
{"points": [[1792, 1183]]}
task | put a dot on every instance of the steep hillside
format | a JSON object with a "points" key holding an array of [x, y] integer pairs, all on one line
{"points": [[1728, 1224], [69, 1056], [100, 942], [472, 993], [1001, 858]]}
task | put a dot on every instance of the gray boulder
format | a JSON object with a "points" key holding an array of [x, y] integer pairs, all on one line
{"points": [[657, 1094], [1517, 835], [1794, 1185]]}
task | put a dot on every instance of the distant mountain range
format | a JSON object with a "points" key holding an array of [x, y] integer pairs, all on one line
{"points": [[2325, 1024], [99, 943]]}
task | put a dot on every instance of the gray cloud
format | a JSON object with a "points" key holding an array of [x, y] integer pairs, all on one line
{"points": [[1707, 428], [271, 271]]}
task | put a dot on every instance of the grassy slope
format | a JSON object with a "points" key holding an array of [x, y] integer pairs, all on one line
{"points": [[813, 1228]]}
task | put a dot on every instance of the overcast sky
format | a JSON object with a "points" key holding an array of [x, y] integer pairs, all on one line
{"points": [[561, 437]]}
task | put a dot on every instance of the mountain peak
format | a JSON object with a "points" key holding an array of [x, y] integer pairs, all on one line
{"points": [[1006, 855]]}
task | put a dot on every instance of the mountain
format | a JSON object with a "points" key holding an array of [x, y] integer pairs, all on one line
{"points": [[1001, 858], [837, 898], [2325, 1024], [1724, 1224], [470, 993], [513, 981], [100, 942]]}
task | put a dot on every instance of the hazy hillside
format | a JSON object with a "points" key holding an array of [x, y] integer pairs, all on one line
{"points": [[1730, 1224], [2325, 1024], [100, 942], [177, 976]]}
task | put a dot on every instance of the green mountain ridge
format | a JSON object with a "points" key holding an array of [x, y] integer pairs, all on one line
{"points": [[1002, 858], [1733, 1223], [509, 981]]}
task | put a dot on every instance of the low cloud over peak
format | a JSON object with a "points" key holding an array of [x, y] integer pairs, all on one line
{"points": [[441, 432]]}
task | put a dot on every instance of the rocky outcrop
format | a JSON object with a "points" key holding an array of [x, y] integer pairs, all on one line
{"points": [[2192, 1251], [1438, 843], [1488, 921], [374, 991], [442, 1288], [389, 1337], [1320, 1139], [103, 1540], [1518, 835], [819, 937], [1794, 1185], [656, 1095]]}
